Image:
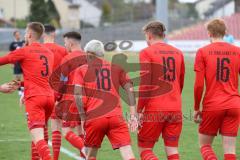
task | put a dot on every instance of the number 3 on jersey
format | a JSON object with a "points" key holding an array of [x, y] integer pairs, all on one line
{"points": [[45, 64]]}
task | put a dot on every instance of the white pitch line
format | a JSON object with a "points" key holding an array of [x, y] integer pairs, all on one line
{"points": [[63, 150], [67, 152], [14, 140]]}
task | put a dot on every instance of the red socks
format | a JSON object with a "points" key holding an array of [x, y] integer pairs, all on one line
{"points": [[173, 157], [46, 134], [35, 155], [230, 157], [75, 140], [208, 153], [92, 158], [56, 144], [43, 150], [148, 154]]}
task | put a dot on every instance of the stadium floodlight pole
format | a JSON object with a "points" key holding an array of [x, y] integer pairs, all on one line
{"points": [[162, 11]]}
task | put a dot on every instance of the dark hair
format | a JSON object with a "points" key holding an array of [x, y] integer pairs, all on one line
{"points": [[15, 32], [74, 35], [156, 28], [49, 28], [36, 27]]}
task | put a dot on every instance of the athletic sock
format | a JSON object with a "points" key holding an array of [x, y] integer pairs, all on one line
{"points": [[43, 150], [46, 134], [34, 152], [174, 157], [56, 144], [76, 141], [148, 154], [230, 157], [208, 153], [92, 158]]}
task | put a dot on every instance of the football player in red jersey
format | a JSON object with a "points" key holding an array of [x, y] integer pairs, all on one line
{"points": [[59, 52], [162, 68], [72, 42], [36, 62], [97, 87], [218, 64]]}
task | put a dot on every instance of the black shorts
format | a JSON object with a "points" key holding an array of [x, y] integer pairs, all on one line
{"points": [[17, 68]]}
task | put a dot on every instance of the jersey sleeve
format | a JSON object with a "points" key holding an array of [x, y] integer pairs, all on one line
{"points": [[145, 68], [14, 56], [78, 77], [199, 62]]}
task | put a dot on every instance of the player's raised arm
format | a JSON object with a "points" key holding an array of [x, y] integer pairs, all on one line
{"points": [[13, 57]]}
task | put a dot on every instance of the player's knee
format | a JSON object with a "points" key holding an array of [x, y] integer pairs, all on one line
{"points": [[171, 150], [141, 149], [56, 125], [229, 145], [37, 134], [126, 152], [92, 153], [65, 131], [205, 140]]}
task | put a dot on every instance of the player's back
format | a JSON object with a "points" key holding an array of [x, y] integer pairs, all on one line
{"points": [[58, 51], [37, 67], [101, 81], [167, 75], [221, 63]]}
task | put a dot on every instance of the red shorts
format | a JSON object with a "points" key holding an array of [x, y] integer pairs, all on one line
{"points": [[67, 111], [38, 110], [115, 128], [71, 117], [226, 122], [155, 123], [71, 124]]}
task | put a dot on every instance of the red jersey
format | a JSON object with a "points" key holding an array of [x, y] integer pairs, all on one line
{"points": [[36, 62], [101, 84], [220, 63], [69, 65], [58, 51], [163, 66]]}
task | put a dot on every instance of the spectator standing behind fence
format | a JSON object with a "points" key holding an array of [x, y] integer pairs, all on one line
{"points": [[16, 44]]}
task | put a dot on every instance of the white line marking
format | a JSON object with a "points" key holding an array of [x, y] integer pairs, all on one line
{"points": [[67, 152], [63, 150], [14, 140]]}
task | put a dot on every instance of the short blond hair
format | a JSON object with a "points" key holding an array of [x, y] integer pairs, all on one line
{"points": [[216, 28], [156, 28], [37, 28]]}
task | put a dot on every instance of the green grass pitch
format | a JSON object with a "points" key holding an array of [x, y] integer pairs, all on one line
{"points": [[14, 135]]}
